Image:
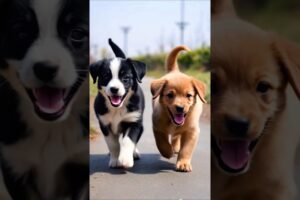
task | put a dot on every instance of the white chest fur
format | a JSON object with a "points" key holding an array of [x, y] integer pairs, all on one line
{"points": [[117, 115], [47, 147]]}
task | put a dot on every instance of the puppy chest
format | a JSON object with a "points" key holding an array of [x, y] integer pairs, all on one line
{"points": [[44, 156], [115, 118]]}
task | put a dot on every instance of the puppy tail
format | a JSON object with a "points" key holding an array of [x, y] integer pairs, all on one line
{"points": [[171, 63], [116, 49]]}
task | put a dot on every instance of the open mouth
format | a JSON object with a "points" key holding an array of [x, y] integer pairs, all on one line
{"points": [[233, 156], [115, 100], [50, 103], [177, 118]]}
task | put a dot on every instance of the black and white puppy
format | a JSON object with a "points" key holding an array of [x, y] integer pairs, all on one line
{"points": [[44, 55], [119, 105]]}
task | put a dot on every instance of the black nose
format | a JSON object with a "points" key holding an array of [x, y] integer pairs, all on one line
{"points": [[179, 109], [114, 90], [237, 126], [44, 71]]}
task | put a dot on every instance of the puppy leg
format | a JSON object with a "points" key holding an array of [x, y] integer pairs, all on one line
{"points": [[163, 144], [176, 144], [136, 154], [128, 146], [188, 143], [114, 149]]}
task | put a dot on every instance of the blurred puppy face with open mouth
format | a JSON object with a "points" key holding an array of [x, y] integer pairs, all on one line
{"points": [[177, 97], [249, 79], [46, 43]]}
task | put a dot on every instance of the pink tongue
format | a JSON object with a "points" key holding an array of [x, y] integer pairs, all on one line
{"points": [[49, 100], [179, 118], [116, 100], [235, 154]]}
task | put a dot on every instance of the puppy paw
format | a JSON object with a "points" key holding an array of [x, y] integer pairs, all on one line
{"points": [[167, 153], [136, 154], [125, 160], [113, 162], [183, 166]]}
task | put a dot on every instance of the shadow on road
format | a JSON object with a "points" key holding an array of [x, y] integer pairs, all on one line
{"points": [[147, 164]]}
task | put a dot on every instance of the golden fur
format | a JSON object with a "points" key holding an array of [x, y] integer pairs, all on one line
{"points": [[243, 56], [186, 92]]}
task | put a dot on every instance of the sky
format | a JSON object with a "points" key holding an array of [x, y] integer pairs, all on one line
{"points": [[152, 24]]}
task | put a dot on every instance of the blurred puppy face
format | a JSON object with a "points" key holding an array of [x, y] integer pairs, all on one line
{"points": [[178, 94], [248, 90]]}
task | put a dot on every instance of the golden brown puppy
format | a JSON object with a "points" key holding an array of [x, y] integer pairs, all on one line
{"points": [[177, 106], [255, 81]]}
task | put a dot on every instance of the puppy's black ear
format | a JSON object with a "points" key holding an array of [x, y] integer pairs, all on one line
{"points": [[139, 69], [95, 68], [116, 49]]}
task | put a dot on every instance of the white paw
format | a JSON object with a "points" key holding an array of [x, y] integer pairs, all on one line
{"points": [[113, 162], [125, 160], [136, 154]]}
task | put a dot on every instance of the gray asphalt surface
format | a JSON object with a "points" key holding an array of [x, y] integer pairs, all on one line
{"points": [[152, 177]]}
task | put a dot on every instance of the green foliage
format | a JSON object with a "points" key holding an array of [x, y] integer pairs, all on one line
{"points": [[93, 88]]}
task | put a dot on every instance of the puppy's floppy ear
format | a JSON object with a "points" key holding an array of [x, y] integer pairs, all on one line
{"points": [[200, 89], [139, 69], [94, 69], [288, 56], [157, 87]]}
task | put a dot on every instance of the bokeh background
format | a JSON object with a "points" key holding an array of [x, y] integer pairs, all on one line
{"points": [[281, 16]]}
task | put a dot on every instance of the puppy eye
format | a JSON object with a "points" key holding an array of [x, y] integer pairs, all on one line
{"points": [[263, 87], [126, 80], [20, 31], [78, 37], [189, 95], [170, 95]]}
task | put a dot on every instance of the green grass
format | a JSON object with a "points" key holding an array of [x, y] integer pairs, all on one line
{"points": [[93, 88]]}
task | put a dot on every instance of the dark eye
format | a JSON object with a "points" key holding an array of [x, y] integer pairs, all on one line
{"points": [[125, 79], [20, 31], [189, 95], [78, 37], [170, 95], [263, 87]]}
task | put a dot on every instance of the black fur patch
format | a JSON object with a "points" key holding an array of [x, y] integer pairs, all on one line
{"points": [[12, 127]]}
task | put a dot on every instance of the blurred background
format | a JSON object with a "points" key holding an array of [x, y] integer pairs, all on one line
{"points": [[148, 30], [281, 16]]}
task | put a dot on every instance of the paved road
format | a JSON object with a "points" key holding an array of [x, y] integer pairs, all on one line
{"points": [[152, 177]]}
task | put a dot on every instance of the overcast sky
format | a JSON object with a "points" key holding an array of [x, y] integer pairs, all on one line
{"points": [[152, 22]]}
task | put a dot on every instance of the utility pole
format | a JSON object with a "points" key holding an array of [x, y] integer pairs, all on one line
{"points": [[182, 24], [125, 30]]}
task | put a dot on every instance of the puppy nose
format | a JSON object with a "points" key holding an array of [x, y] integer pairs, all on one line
{"points": [[179, 109], [237, 126], [114, 90], [45, 72]]}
